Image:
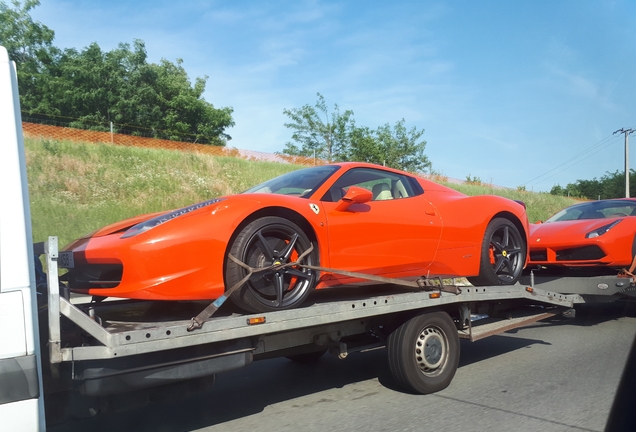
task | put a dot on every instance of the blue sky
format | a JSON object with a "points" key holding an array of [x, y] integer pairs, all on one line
{"points": [[506, 91]]}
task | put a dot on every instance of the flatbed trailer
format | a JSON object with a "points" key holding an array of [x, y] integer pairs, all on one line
{"points": [[102, 349], [98, 349]]}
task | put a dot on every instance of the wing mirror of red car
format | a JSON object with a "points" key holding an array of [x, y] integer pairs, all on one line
{"points": [[355, 195]]}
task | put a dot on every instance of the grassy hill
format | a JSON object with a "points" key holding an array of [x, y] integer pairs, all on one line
{"points": [[76, 188]]}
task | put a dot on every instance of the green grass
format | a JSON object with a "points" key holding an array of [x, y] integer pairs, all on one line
{"points": [[76, 188], [539, 205]]}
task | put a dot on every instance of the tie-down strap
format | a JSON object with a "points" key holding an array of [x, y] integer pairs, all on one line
{"points": [[425, 284]]}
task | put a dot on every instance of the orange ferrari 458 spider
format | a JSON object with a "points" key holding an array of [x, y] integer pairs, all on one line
{"points": [[596, 233], [353, 216]]}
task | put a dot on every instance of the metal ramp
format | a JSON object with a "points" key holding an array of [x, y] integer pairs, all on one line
{"points": [[493, 326]]}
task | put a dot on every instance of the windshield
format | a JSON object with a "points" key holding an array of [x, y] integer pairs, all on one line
{"points": [[301, 183], [596, 210]]}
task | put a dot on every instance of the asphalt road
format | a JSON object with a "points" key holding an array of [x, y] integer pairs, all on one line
{"points": [[559, 375]]}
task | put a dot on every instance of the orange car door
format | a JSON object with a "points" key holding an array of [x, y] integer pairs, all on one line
{"points": [[393, 237]]}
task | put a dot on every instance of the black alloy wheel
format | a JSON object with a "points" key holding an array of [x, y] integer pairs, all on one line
{"points": [[503, 254], [264, 242]]}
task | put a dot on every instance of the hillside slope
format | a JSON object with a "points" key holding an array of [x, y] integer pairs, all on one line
{"points": [[76, 188]]}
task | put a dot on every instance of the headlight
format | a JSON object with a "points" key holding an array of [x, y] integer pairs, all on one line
{"points": [[602, 230], [156, 221]]}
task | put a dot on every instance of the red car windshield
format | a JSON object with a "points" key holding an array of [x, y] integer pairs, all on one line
{"points": [[301, 183], [604, 209]]}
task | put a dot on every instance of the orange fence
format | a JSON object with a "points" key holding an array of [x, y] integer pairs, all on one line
{"points": [[34, 130]]}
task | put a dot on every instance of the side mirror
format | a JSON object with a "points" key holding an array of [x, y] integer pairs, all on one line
{"points": [[355, 195]]}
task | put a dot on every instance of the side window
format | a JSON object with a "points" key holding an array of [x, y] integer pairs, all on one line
{"points": [[383, 185]]}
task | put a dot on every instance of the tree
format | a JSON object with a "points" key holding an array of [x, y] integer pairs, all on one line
{"points": [[94, 87], [319, 132], [610, 185], [25, 40], [402, 149], [338, 138], [558, 190], [364, 147], [28, 43]]}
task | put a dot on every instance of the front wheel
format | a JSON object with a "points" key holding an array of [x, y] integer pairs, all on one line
{"points": [[423, 353], [503, 255], [262, 243]]}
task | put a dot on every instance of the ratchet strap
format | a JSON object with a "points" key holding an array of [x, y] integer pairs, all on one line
{"points": [[425, 284], [197, 321]]}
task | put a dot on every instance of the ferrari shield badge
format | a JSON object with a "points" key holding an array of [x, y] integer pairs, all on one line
{"points": [[315, 208]]}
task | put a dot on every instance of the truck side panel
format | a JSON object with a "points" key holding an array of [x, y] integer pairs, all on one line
{"points": [[21, 402]]}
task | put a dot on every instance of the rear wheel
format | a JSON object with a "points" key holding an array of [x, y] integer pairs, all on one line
{"points": [[423, 353], [264, 242], [503, 255]]}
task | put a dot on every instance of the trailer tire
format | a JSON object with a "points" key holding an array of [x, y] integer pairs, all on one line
{"points": [[423, 353]]}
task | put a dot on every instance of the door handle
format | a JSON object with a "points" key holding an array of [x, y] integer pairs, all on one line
{"points": [[430, 212]]}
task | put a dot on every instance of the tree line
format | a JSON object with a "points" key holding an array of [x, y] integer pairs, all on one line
{"points": [[334, 136], [92, 87], [610, 185]]}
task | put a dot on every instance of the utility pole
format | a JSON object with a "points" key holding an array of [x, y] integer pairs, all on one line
{"points": [[626, 132]]}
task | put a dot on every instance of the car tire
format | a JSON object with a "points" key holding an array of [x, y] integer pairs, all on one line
{"points": [[503, 255], [259, 244], [423, 353]]}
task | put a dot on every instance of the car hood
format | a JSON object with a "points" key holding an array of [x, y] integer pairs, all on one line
{"points": [[566, 229], [122, 225], [127, 223]]}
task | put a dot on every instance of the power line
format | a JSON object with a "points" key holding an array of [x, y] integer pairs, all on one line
{"points": [[574, 159]]}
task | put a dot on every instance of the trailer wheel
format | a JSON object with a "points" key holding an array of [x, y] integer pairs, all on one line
{"points": [[503, 255], [261, 243], [423, 353]]}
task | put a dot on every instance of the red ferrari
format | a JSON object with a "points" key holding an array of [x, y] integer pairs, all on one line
{"points": [[595, 233], [355, 217]]}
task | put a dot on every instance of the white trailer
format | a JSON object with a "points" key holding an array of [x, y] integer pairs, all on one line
{"points": [[99, 353]]}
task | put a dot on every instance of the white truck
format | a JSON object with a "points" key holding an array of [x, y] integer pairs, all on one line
{"points": [[75, 356]]}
